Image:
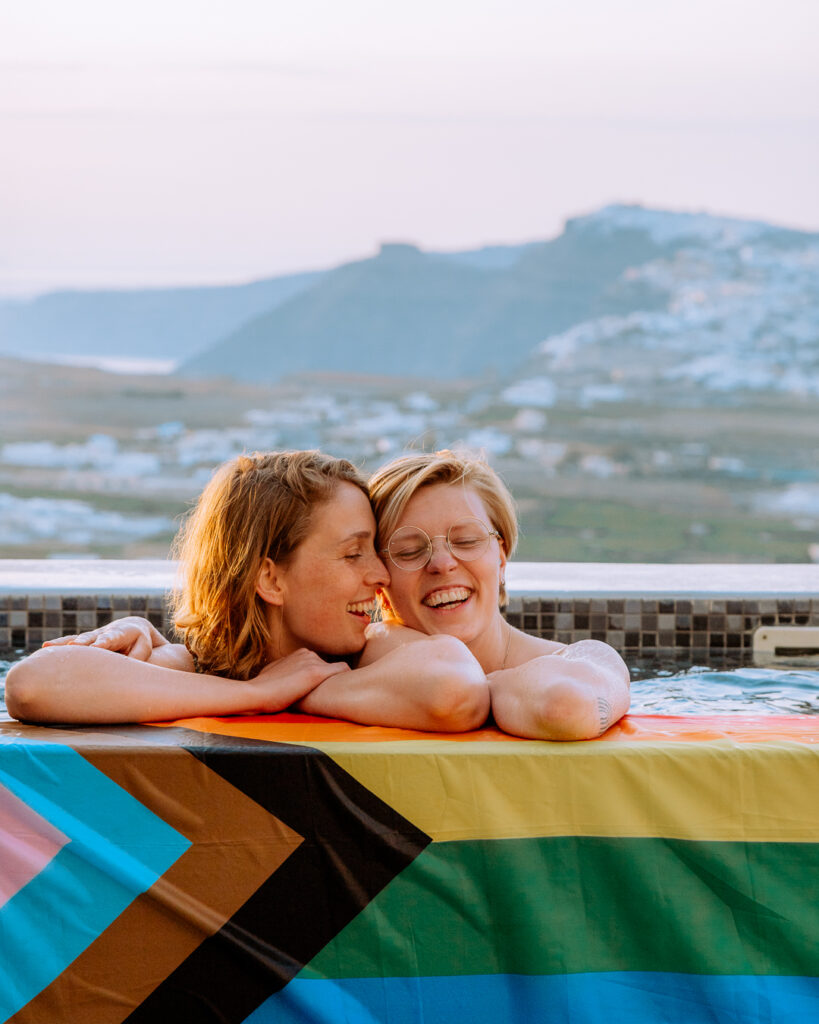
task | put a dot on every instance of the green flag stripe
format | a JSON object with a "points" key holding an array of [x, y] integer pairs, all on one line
{"points": [[579, 904]]}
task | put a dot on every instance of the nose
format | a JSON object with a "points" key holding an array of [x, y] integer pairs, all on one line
{"points": [[377, 574], [441, 559]]}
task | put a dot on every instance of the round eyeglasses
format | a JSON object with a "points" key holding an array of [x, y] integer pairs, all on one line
{"points": [[411, 548]]}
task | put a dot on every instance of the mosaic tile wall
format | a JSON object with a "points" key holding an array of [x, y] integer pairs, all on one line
{"points": [[634, 626], [26, 621]]}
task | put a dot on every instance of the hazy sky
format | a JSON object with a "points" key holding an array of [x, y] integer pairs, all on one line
{"points": [[192, 141]]}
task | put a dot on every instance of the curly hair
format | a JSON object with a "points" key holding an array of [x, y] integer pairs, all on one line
{"points": [[256, 506], [392, 486]]}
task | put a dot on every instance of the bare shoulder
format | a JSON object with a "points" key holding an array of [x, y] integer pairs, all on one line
{"points": [[383, 637]]}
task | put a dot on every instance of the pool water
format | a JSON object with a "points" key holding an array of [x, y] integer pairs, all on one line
{"points": [[700, 690]]}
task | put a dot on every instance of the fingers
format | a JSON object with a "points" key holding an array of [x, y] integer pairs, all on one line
{"points": [[73, 638], [336, 668]]}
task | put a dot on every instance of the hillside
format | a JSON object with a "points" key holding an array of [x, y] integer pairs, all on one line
{"points": [[635, 280], [406, 311]]}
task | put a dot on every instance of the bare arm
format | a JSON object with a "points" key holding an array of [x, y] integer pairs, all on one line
{"points": [[90, 685], [408, 680], [575, 693]]}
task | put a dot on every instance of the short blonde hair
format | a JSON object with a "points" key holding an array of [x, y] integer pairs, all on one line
{"points": [[256, 506], [392, 486]]}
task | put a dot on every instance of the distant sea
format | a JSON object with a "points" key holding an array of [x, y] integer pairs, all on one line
{"points": [[111, 364]]}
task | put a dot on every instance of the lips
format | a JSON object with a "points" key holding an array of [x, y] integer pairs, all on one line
{"points": [[364, 609], [447, 598]]}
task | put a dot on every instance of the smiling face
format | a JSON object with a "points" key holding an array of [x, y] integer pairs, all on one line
{"points": [[447, 595], [325, 591]]}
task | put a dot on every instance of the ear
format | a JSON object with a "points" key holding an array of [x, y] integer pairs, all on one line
{"points": [[269, 583], [502, 550]]}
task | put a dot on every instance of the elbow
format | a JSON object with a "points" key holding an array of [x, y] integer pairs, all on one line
{"points": [[461, 699], [25, 689], [572, 711], [563, 713]]}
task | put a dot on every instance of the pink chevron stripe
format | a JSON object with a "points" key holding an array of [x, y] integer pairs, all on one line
{"points": [[27, 844]]}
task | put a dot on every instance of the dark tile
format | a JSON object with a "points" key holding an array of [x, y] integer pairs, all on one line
{"points": [[665, 607], [700, 622], [699, 639], [70, 622], [649, 640], [53, 620], [547, 622], [35, 620], [716, 640], [18, 604], [734, 607], [514, 619], [530, 622], [733, 640], [597, 634], [597, 621], [767, 620], [684, 607], [18, 638], [632, 639], [716, 623], [565, 606], [540, 606], [784, 607], [35, 638], [4, 619], [648, 621], [69, 604], [682, 639], [582, 607], [683, 621], [155, 618], [666, 639], [581, 621], [617, 606], [120, 603], [801, 620]]}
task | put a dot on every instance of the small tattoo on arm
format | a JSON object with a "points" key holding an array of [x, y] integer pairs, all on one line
{"points": [[604, 710]]}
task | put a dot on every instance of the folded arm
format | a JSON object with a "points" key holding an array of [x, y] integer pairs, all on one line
{"points": [[92, 685], [575, 693], [408, 680]]}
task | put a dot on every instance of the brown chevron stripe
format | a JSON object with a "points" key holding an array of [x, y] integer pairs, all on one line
{"points": [[236, 846]]}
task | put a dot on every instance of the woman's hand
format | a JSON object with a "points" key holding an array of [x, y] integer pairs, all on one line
{"points": [[288, 680], [132, 636]]}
